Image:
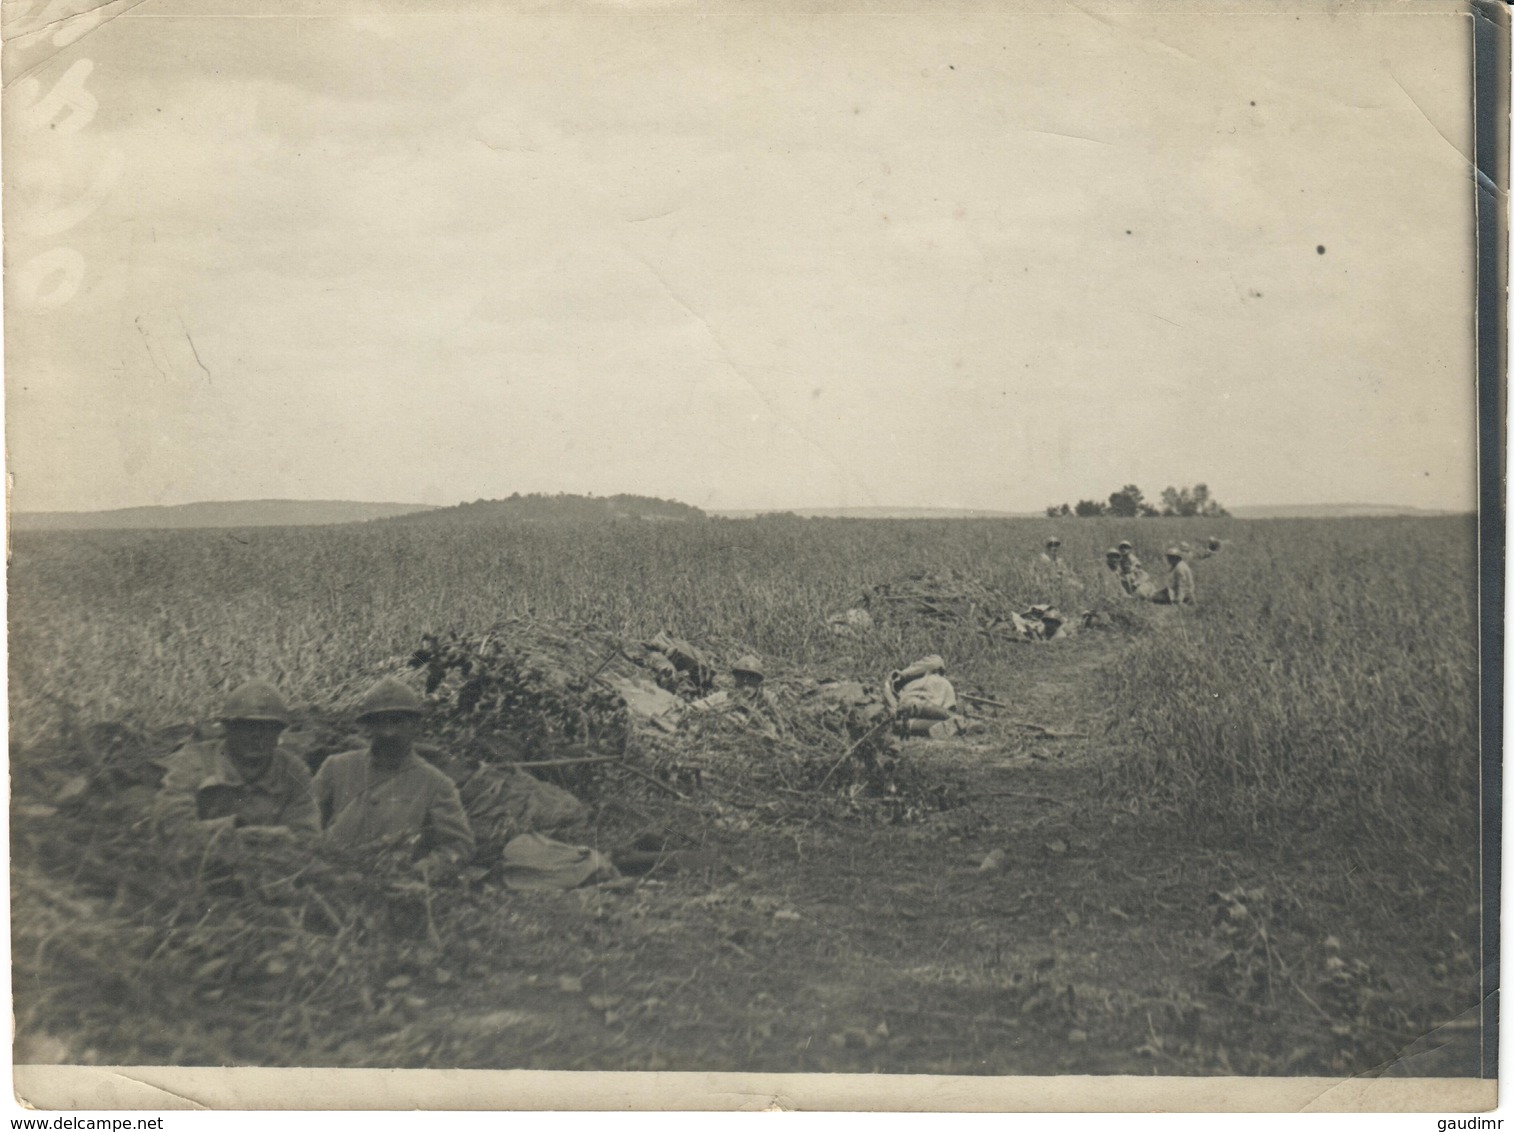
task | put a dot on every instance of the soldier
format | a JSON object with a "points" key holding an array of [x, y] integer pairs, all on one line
{"points": [[1114, 581], [244, 780], [1133, 575], [1179, 589], [1049, 567], [747, 672], [388, 792]]}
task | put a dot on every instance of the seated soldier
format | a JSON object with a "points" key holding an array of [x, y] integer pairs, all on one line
{"points": [[1049, 569], [1133, 575], [1114, 579], [1179, 589], [244, 780], [387, 792]]}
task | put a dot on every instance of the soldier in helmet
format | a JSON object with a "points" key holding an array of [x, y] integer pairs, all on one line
{"points": [[1179, 589], [387, 792], [747, 672], [1133, 575], [1048, 567], [1114, 581], [244, 780]]}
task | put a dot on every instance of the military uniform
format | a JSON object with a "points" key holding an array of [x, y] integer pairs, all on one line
{"points": [[1137, 582], [362, 805], [1179, 589], [1180, 584], [1113, 583], [202, 783]]}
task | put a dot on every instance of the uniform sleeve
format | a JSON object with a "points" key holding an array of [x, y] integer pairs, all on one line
{"points": [[300, 813], [322, 795], [450, 834], [174, 809]]}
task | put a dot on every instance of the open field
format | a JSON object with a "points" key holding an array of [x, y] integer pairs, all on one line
{"points": [[1243, 841]]}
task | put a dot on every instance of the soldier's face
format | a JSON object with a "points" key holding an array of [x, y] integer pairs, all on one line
{"points": [[251, 742], [391, 733]]}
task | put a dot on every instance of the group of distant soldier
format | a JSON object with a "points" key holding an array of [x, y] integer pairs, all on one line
{"points": [[381, 794], [1126, 577]]}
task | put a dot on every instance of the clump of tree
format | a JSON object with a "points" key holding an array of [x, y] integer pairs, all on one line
{"points": [[1185, 503], [560, 508], [1130, 503]]}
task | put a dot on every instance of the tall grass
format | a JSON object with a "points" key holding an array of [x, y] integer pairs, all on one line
{"points": [[150, 626], [1329, 680], [1328, 677]]}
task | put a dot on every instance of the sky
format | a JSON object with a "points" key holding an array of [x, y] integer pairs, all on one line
{"points": [[742, 256]]}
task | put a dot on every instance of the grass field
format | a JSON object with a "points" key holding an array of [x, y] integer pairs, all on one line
{"points": [[1301, 747]]}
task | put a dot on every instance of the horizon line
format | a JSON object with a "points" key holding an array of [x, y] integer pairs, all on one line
{"points": [[1038, 512]]}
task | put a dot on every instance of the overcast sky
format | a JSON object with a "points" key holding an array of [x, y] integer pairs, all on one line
{"points": [[742, 260]]}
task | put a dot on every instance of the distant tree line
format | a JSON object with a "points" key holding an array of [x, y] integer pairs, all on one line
{"points": [[1130, 503], [563, 507]]}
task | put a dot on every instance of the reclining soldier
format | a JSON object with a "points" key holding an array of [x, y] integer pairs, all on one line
{"points": [[244, 780]]}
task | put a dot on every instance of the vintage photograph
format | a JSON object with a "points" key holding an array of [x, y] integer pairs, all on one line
{"points": [[920, 540]]}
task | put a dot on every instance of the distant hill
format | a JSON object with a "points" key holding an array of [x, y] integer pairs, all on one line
{"points": [[559, 509], [1329, 511], [882, 513], [238, 513]]}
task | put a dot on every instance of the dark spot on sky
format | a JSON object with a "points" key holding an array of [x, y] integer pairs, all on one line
{"points": [[953, 66], [1320, 250], [1127, 232], [1253, 104], [815, 393]]}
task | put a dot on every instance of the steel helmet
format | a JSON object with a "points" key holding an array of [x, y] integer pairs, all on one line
{"points": [[389, 695], [1112, 552], [256, 701], [1053, 542], [1125, 546], [749, 665], [1174, 552]]}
